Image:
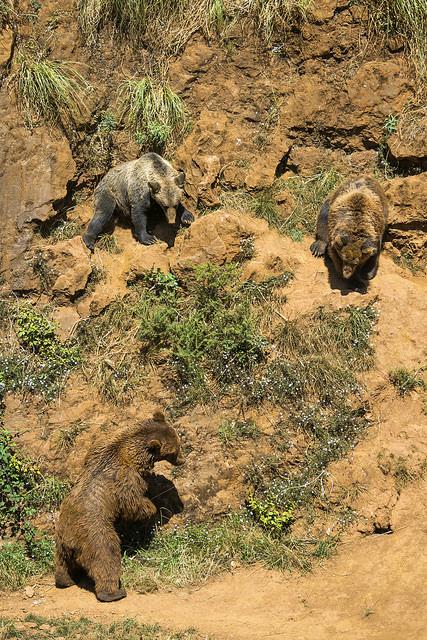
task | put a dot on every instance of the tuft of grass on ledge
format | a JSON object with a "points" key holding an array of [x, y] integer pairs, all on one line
{"points": [[406, 381], [405, 20], [166, 26], [48, 92], [152, 112]]}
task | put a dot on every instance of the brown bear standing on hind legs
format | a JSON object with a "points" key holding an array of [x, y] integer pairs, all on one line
{"points": [[112, 487], [351, 225]]}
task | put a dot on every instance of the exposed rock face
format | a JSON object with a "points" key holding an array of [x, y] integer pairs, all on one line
{"points": [[214, 238], [35, 168], [67, 266], [408, 216]]}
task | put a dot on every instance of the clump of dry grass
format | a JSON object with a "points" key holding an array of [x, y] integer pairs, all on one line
{"points": [[48, 91], [405, 19], [152, 111], [167, 25]]}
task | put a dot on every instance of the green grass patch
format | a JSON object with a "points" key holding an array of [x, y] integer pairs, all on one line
{"points": [[109, 244], [48, 91], [406, 381], [68, 628], [309, 194], [152, 112], [60, 230], [32, 358], [231, 431], [406, 20], [20, 561], [194, 553]]}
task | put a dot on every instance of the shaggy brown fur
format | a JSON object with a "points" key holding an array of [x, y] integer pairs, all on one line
{"points": [[351, 226], [112, 487]]}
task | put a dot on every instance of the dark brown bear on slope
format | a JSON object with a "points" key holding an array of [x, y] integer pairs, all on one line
{"points": [[351, 225], [111, 488]]}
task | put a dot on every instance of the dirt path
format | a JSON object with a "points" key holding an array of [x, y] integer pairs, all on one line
{"points": [[376, 586]]}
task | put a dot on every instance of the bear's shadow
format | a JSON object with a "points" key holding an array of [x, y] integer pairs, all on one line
{"points": [[344, 286], [157, 225], [133, 536]]}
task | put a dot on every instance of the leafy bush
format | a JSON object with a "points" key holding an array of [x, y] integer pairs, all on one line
{"points": [[23, 489], [40, 362], [48, 91], [268, 515]]}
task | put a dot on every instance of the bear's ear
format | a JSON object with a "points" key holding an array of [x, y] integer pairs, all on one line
{"points": [[154, 447], [369, 247], [154, 187], [159, 416], [180, 178], [341, 239]]}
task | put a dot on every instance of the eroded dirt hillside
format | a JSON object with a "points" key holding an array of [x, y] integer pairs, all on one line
{"points": [[272, 128]]}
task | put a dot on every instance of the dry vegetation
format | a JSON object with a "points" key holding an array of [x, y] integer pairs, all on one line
{"points": [[167, 26], [48, 91]]}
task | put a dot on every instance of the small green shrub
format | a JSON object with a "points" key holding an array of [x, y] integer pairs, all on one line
{"points": [[23, 489], [152, 111], [48, 91], [39, 362], [268, 515], [231, 430], [208, 331], [406, 381]]}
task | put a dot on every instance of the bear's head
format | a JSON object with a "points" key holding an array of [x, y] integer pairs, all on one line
{"points": [[354, 252], [168, 193], [149, 442]]}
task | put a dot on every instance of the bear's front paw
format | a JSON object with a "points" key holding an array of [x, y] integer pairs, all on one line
{"points": [[89, 242], [147, 239], [187, 218], [318, 248]]}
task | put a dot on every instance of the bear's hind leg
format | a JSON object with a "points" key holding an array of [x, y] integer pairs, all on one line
{"points": [[105, 206], [63, 578], [104, 567]]}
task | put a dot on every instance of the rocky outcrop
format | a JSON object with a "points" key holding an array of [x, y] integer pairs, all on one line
{"points": [[35, 168], [67, 267], [408, 216], [216, 238]]}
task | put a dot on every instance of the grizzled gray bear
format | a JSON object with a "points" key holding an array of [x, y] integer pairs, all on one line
{"points": [[132, 188]]}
